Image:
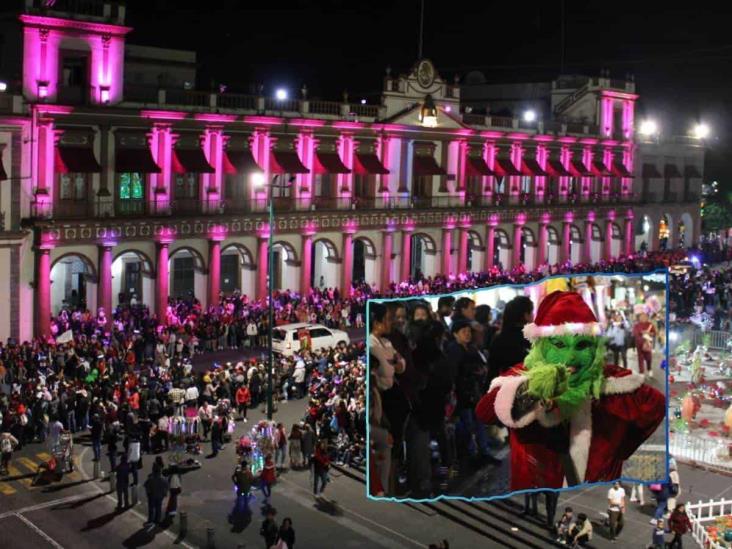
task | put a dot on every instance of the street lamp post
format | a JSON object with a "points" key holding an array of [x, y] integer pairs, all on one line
{"points": [[270, 288], [270, 291]]}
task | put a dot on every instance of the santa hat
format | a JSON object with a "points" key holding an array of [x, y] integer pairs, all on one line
{"points": [[562, 313]]}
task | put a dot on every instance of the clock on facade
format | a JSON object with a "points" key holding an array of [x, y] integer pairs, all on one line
{"points": [[425, 73]]}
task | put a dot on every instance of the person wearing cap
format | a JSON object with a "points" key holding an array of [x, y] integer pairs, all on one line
{"points": [[571, 417]]}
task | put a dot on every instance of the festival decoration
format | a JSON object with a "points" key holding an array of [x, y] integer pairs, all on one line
{"points": [[565, 380]]}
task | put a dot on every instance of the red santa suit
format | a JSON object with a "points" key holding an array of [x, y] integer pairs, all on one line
{"points": [[600, 435]]}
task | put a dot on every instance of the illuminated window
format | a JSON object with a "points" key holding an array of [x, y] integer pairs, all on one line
{"points": [[131, 186]]}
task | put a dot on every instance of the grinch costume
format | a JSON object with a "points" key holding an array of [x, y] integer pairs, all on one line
{"points": [[571, 417]]}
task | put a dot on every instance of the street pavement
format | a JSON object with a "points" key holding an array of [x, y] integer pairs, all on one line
{"points": [[79, 512]]}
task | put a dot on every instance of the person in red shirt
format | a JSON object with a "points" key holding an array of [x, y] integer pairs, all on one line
{"points": [[267, 478], [243, 399], [644, 334], [321, 465]]}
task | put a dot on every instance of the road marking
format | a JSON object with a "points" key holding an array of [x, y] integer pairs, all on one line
{"points": [[29, 464], [43, 456], [113, 499], [40, 532], [6, 489], [353, 525], [45, 505], [15, 472]]}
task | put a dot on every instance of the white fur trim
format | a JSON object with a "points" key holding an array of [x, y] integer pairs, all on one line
{"points": [[534, 331], [622, 385], [507, 388], [580, 438]]}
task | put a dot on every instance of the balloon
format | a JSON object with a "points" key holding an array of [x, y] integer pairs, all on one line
{"points": [[671, 379], [687, 408]]}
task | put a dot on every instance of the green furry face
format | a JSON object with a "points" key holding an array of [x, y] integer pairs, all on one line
{"points": [[566, 370], [575, 352]]}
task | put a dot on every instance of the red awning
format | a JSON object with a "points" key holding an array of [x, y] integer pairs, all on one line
{"points": [[556, 168], [618, 169], [329, 162], [368, 164], [578, 169], [427, 165], [530, 166], [286, 162], [76, 160], [599, 169], [692, 172], [135, 161], [671, 171], [504, 167], [190, 161], [240, 161], [650, 171], [476, 166], [3, 173]]}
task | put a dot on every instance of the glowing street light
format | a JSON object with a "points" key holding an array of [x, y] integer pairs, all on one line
{"points": [[701, 131], [258, 179], [648, 128], [530, 115], [281, 94]]}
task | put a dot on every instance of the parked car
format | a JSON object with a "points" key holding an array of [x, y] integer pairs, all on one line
{"points": [[289, 338]]}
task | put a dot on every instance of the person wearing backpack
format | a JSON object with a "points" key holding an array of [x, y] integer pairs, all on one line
{"points": [[7, 444], [280, 446]]}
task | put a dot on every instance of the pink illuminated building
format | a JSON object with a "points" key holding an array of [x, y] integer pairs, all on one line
{"points": [[118, 191]]}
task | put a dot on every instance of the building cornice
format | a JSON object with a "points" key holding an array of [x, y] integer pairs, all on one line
{"points": [[41, 21]]}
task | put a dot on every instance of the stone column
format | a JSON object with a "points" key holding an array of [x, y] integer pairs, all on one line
{"points": [[104, 287], [516, 255], [463, 249], [262, 265], [629, 236], [162, 281], [42, 291], [446, 249], [490, 244], [306, 266], [214, 269], [587, 247], [347, 266], [543, 254], [566, 254], [406, 252], [609, 238], [387, 248]]}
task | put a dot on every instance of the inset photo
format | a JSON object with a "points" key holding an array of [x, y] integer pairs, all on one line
{"points": [[521, 388]]}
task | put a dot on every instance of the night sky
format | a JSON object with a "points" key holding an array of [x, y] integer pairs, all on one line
{"points": [[681, 56]]}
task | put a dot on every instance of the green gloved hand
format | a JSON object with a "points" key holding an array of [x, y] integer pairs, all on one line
{"points": [[547, 381]]}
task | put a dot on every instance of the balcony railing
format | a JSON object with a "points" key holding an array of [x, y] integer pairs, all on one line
{"points": [[325, 107], [106, 208], [237, 101]]}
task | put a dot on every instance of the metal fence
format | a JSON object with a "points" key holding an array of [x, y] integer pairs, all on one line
{"points": [[713, 339], [710, 452]]}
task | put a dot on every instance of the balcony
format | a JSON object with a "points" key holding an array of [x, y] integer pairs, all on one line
{"points": [[194, 207], [208, 101], [92, 10]]}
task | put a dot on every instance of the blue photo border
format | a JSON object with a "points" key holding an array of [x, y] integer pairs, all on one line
{"points": [[441, 497]]}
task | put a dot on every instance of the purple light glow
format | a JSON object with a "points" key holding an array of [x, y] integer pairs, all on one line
{"points": [[163, 115]]}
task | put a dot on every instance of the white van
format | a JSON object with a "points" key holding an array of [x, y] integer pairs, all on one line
{"points": [[286, 338]]}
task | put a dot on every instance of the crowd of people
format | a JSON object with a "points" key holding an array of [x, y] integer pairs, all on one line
{"points": [[129, 381]]}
